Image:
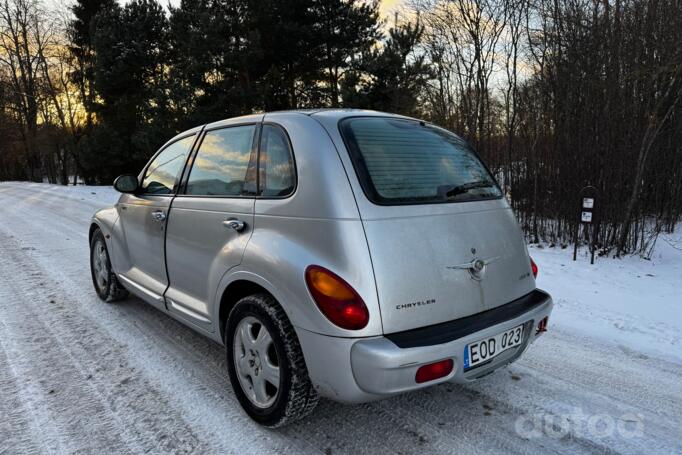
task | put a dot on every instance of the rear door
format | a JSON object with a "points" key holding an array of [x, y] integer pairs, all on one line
{"points": [[211, 220], [143, 218], [443, 241]]}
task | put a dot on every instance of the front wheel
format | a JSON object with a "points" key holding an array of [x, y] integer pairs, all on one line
{"points": [[103, 277], [265, 363]]}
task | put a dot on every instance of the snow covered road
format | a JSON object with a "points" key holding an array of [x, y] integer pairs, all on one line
{"points": [[77, 375]]}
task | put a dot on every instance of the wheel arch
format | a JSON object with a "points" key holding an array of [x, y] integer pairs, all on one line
{"points": [[93, 227], [105, 220], [233, 293]]}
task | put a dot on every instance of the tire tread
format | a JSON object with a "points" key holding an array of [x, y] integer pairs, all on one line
{"points": [[115, 290], [302, 397]]}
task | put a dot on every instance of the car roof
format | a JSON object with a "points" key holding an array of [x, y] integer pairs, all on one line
{"points": [[330, 114], [338, 113]]}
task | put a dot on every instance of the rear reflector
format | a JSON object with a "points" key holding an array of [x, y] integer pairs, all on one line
{"points": [[542, 325], [434, 371]]}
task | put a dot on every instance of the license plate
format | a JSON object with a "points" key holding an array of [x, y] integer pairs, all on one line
{"points": [[483, 350]]}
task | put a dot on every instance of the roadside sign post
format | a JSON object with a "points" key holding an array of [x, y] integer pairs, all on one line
{"points": [[588, 219]]}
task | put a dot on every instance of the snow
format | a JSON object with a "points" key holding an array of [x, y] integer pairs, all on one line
{"points": [[78, 375], [100, 195], [631, 302]]}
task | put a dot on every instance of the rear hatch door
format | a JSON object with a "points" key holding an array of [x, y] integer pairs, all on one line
{"points": [[426, 267], [444, 243]]}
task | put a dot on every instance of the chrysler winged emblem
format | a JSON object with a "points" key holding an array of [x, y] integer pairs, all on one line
{"points": [[476, 267]]}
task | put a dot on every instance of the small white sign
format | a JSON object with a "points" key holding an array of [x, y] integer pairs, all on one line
{"points": [[586, 217], [588, 202]]}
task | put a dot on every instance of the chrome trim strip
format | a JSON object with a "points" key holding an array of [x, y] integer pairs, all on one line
{"points": [[188, 312], [141, 288]]}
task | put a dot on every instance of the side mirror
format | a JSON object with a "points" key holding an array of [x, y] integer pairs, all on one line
{"points": [[126, 183]]}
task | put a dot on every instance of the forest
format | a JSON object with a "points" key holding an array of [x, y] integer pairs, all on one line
{"points": [[555, 95]]}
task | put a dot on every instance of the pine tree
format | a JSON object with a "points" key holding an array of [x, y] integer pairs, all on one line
{"points": [[345, 29], [80, 33], [210, 59], [134, 118], [391, 78], [288, 69]]}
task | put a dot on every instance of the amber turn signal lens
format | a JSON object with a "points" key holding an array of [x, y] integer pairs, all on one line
{"points": [[329, 285], [336, 299]]}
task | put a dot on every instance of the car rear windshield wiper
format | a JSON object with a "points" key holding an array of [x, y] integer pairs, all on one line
{"points": [[448, 191]]}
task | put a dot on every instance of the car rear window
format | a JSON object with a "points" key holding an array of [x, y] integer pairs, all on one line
{"points": [[400, 161]]}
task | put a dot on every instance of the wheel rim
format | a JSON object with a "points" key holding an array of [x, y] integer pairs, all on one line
{"points": [[100, 265], [256, 362]]}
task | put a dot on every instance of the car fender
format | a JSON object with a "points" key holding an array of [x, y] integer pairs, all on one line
{"points": [[106, 220], [283, 276], [234, 274]]}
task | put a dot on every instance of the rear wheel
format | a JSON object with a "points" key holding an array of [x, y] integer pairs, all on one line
{"points": [[265, 363], [104, 279]]}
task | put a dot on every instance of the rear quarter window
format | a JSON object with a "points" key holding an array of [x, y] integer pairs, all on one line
{"points": [[401, 161], [277, 176]]}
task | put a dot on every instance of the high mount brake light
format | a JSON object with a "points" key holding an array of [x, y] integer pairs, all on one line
{"points": [[337, 300]]}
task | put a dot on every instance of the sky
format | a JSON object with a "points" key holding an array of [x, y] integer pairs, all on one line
{"points": [[386, 6]]}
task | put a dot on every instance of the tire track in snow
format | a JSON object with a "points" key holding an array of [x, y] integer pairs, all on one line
{"points": [[78, 377], [18, 424]]}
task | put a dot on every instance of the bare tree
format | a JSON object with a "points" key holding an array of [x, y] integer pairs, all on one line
{"points": [[512, 40], [64, 97], [21, 36], [463, 39]]}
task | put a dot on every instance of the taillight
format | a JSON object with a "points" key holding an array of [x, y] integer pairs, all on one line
{"points": [[534, 267], [434, 371], [337, 300]]}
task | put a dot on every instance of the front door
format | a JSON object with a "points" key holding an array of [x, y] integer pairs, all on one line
{"points": [[211, 221], [143, 217]]}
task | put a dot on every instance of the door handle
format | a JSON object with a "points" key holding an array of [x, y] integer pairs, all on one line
{"points": [[158, 215], [233, 223]]}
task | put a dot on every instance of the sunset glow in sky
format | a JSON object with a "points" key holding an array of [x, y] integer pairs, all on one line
{"points": [[386, 6]]}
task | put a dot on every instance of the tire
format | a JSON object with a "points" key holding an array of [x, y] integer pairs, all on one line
{"points": [[107, 286], [295, 396]]}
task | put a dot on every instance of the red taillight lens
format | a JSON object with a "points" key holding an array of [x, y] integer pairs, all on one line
{"points": [[337, 300], [534, 267], [434, 371]]}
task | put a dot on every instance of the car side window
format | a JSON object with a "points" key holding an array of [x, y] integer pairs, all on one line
{"points": [[276, 174], [221, 167], [163, 171]]}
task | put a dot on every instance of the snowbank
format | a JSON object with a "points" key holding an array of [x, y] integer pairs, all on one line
{"points": [[632, 302]]}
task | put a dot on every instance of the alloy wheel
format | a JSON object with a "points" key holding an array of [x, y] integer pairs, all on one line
{"points": [[256, 362], [100, 264]]}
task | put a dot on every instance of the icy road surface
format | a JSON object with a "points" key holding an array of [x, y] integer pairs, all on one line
{"points": [[78, 375]]}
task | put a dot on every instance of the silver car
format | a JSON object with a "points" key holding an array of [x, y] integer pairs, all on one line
{"points": [[347, 254]]}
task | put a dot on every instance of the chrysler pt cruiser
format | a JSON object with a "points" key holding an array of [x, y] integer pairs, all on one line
{"points": [[347, 254]]}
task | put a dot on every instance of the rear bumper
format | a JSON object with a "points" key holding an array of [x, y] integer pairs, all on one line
{"points": [[358, 370]]}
